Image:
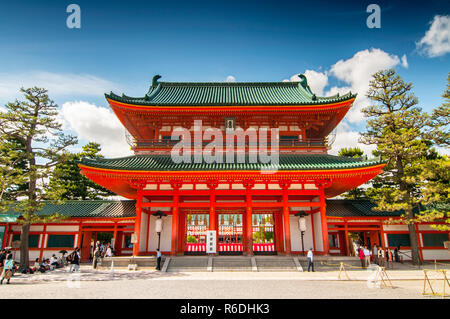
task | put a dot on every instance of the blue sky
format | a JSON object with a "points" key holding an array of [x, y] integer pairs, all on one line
{"points": [[122, 44]]}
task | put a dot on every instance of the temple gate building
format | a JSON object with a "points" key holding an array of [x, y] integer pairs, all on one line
{"points": [[254, 207]]}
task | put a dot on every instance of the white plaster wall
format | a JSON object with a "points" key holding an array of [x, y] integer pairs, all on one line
{"points": [[66, 228], [439, 254], [36, 228], [166, 235], [296, 242], [395, 227], [318, 232], [143, 232]]}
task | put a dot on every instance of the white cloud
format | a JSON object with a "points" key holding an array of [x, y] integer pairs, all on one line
{"points": [[404, 61], [357, 72], [230, 78], [345, 137], [436, 41], [317, 81], [64, 84], [97, 124]]}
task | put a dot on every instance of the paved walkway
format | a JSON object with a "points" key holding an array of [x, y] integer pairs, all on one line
{"points": [[153, 284], [88, 274]]}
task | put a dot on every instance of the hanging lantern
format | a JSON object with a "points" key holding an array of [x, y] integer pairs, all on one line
{"points": [[302, 223], [255, 221], [239, 219], [222, 219]]}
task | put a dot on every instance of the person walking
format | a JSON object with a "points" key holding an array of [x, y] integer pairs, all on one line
{"points": [[310, 257], [7, 269], [74, 260], [158, 259], [362, 258]]}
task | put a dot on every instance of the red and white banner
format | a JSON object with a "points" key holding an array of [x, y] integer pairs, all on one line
{"points": [[264, 247]]}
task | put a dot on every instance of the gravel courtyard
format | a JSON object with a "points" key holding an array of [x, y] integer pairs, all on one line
{"points": [[230, 285]]}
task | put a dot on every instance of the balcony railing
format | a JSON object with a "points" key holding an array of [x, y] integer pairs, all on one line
{"points": [[166, 143]]}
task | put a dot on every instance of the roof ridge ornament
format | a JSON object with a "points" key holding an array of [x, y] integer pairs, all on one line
{"points": [[155, 80], [304, 83]]}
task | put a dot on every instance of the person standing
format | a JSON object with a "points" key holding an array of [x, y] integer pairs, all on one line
{"points": [[158, 259], [362, 258], [97, 255], [390, 258], [2, 259], [375, 253], [381, 258], [310, 257], [367, 256], [7, 269]]}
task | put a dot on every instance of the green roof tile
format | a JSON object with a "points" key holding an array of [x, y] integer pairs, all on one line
{"points": [[286, 163], [83, 209], [229, 94]]}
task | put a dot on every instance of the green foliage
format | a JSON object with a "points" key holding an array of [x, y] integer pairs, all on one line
{"points": [[67, 181], [358, 192], [191, 239], [440, 117], [396, 126], [351, 152], [40, 144]]}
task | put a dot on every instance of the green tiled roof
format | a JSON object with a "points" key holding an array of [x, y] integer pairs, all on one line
{"points": [[127, 208], [229, 94], [85, 209], [356, 208], [286, 163]]}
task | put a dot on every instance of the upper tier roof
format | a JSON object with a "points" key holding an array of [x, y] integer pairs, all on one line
{"points": [[286, 163], [229, 94]]}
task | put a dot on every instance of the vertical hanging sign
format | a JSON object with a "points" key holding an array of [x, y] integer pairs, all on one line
{"points": [[211, 242]]}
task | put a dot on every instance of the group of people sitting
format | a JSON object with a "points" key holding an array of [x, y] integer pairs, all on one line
{"points": [[383, 257], [48, 264]]}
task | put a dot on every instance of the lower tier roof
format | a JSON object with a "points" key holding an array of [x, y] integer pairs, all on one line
{"points": [[124, 176], [287, 162], [127, 209]]}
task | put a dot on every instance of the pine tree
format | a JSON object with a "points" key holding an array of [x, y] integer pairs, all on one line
{"points": [[358, 192], [33, 123], [395, 125], [68, 182]]}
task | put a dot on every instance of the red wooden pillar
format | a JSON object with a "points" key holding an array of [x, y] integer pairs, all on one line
{"points": [[181, 231], [279, 232], [348, 248], [248, 237], [287, 223], [383, 243], [175, 223], [323, 220], [79, 236], [86, 245], [137, 222], [6, 237]]}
